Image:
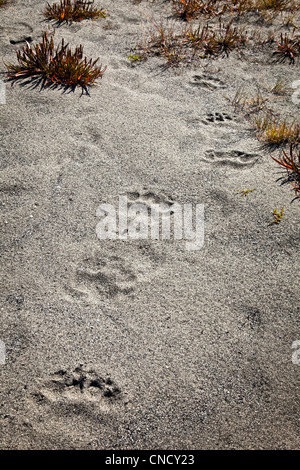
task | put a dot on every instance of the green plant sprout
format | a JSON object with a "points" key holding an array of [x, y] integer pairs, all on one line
{"points": [[277, 217], [244, 192], [135, 58]]}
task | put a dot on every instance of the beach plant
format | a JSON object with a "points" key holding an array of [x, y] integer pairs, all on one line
{"points": [[288, 48], [250, 105], [267, 10], [277, 216], [162, 42], [239, 100], [198, 36], [3, 2], [188, 9], [229, 37], [135, 58], [264, 5], [245, 192], [192, 42], [291, 163], [289, 21], [280, 87], [257, 103], [260, 39], [201, 39], [55, 65], [277, 132], [215, 42], [73, 10], [275, 5]]}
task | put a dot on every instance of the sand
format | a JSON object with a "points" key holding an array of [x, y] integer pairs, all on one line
{"points": [[143, 344]]}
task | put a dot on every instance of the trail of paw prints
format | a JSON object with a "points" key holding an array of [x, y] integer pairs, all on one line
{"points": [[233, 158], [78, 385], [207, 81]]}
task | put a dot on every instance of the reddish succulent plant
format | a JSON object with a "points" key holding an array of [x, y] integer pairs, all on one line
{"points": [[73, 10], [55, 65]]}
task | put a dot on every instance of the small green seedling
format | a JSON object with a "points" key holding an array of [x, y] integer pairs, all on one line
{"points": [[244, 192], [280, 87], [135, 58], [277, 217]]}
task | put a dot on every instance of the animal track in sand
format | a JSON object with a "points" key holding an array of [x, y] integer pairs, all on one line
{"points": [[19, 33], [77, 385], [253, 318], [109, 275], [112, 276], [149, 197], [206, 81], [255, 385], [233, 158], [218, 118]]}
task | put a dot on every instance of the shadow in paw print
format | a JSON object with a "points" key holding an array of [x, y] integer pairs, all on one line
{"points": [[110, 276], [218, 118], [207, 81], [78, 384]]}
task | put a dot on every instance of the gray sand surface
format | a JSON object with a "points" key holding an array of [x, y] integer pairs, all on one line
{"points": [[143, 344]]}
